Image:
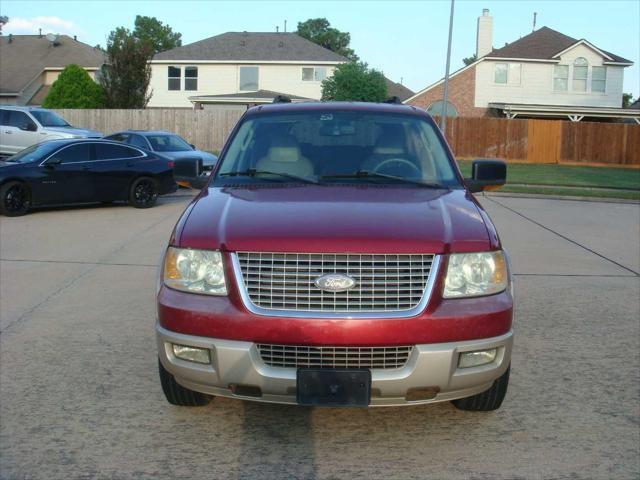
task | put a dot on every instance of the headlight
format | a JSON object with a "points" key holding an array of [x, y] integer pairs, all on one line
{"points": [[475, 274], [197, 271]]}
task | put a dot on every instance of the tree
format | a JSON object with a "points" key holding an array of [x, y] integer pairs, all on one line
{"points": [[126, 75], [627, 99], [469, 60], [74, 88], [355, 81], [161, 37], [319, 31]]}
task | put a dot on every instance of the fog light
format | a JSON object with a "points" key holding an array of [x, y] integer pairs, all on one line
{"points": [[477, 358], [191, 354]]}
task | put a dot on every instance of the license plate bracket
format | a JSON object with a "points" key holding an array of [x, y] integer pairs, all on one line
{"points": [[334, 388]]}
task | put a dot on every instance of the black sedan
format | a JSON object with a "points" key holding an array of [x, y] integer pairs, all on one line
{"points": [[60, 172]]}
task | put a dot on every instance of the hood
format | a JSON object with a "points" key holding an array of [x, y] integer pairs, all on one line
{"points": [[208, 159], [81, 132], [365, 219]]}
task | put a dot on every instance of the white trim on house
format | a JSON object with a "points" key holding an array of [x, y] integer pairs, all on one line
{"points": [[514, 59], [247, 62], [583, 42], [574, 113]]}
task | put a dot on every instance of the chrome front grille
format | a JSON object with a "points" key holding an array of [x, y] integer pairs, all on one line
{"points": [[286, 281], [295, 356]]}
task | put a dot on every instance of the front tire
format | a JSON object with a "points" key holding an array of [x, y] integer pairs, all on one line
{"points": [[143, 192], [15, 199], [488, 400], [176, 394]]}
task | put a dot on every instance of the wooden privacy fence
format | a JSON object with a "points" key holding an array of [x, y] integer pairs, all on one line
{"points": [[206, 129], [529, 141], [545, 141]]}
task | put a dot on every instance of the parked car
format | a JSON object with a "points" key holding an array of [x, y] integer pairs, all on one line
{"points": [[169, 145], [21, 127], [82, 171], [337, 258]]}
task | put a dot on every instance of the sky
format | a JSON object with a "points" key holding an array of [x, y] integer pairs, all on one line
{"points": [[407, 40]]}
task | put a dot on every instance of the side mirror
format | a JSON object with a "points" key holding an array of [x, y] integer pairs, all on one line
{"points": [[486, 175], [192, 146], [29, 127], [53, 161]]}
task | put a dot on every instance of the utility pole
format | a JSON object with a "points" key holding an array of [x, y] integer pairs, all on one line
{"points": [[445, 96], [535, 14]]}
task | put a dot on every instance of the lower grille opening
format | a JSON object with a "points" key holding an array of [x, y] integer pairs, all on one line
{"points": [[301, 356]]}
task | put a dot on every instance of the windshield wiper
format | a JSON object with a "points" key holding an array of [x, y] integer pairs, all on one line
{"points": [[368, 174], [252, 172]]}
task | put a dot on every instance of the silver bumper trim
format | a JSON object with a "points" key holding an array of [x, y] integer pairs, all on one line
{"points": [[430, 366]]}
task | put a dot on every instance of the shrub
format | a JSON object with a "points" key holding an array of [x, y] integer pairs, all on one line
{"points": [[74, 88]]}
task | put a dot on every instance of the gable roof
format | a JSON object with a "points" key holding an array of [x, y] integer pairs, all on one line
{"points": [[397, 90], [544, 44], [252, 46], [24, 57]]}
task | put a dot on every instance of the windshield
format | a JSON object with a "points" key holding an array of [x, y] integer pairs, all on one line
{"points": [[168, 143], [33, 153], [337, 148], [49, 119]]}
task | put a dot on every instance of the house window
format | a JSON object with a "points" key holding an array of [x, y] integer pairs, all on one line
{"points": [[249, 79], [580, 71], [599, 79], [314, 74], [560, 78], [174, 74], [191, 78], [500, 74], [513, 77]]}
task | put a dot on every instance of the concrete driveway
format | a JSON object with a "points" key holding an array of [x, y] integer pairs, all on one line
{"points": [[80, 397]]}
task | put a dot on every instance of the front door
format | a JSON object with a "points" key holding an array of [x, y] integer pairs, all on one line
{"points": [[67, 176]]}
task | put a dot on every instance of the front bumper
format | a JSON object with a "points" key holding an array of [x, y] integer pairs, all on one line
{"points": [[430, 375]]}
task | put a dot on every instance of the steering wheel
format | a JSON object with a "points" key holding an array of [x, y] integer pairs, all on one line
{"points": [[399, 161]]}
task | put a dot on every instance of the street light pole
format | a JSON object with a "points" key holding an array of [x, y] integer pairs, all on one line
{"points": [[445, 96]]}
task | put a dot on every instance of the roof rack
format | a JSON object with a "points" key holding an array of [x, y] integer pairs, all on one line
{"points": [[395, 100], [281, 99]]}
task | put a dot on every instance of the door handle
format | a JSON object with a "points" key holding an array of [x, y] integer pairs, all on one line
{"points": [[86, 168], [129, 164], [8, 132]]}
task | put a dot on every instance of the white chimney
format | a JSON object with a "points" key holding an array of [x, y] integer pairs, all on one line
{"points": [[484, 40]]}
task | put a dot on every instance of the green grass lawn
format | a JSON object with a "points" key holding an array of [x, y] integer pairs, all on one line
{"points": [[528, 178]]}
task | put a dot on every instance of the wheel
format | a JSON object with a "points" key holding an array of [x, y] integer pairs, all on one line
{"points": [[176, 394], [488, 400], [143, 193], [15, 199]]}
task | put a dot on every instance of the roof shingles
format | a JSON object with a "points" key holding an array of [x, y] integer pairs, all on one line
{"points": [[252, 46], [24, 57], [542, 44]]}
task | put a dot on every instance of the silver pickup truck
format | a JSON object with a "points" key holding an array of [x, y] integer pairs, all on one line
{"points": [[21, 127]]}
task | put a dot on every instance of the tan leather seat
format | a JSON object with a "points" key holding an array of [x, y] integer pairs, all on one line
{"points": [[284, 156], [390, 144]]}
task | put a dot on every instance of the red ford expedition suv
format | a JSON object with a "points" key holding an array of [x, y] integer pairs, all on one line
{"points": [[337, 257]]}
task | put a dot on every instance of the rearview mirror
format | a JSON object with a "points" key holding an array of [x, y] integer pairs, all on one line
{"points": [[486, 175]]}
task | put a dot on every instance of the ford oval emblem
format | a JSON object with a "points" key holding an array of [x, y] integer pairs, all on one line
{"points": [[335, 282]]}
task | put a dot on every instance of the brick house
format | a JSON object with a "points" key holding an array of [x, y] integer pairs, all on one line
{"points": [[543, 74]]}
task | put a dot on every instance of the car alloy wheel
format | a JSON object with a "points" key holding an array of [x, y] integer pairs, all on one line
{"points": [[15, 199], [144, 193]]}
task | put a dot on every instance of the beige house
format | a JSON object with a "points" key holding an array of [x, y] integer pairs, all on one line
{"points": [[543, 74], [237, 68], [29, 64]]}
